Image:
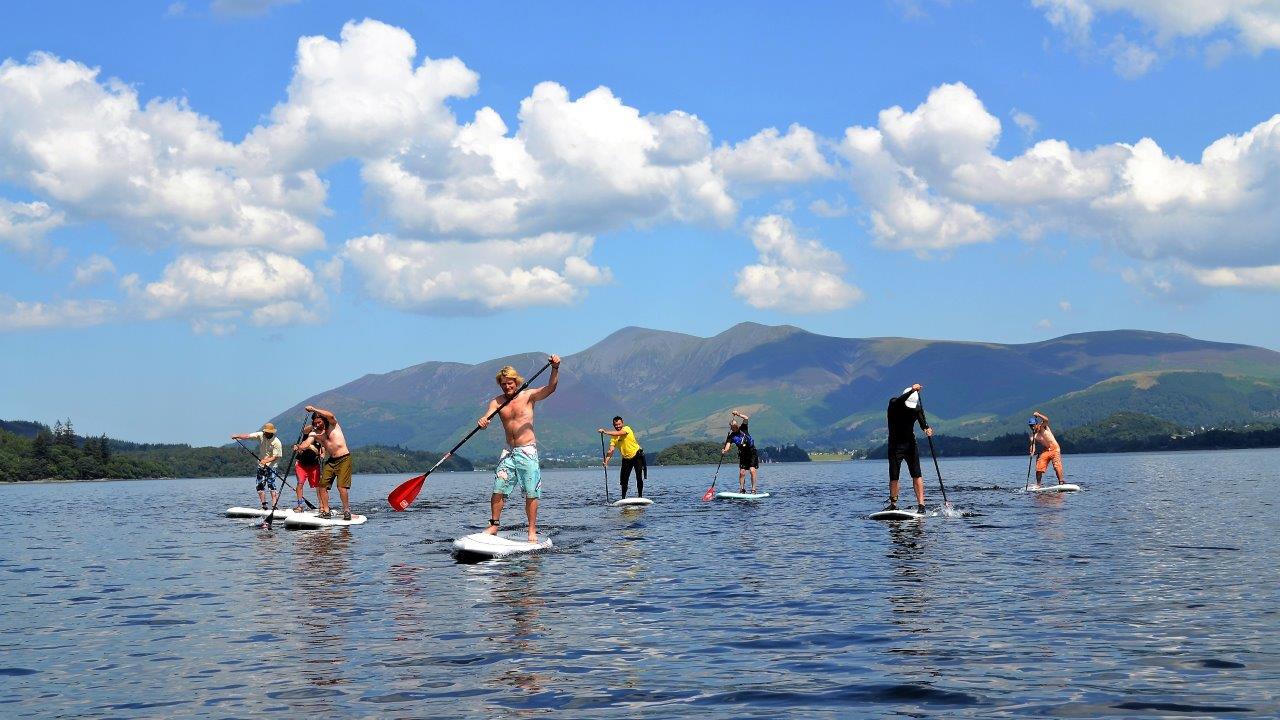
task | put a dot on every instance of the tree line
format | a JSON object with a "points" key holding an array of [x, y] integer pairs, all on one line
{"points": [[57, 453]]}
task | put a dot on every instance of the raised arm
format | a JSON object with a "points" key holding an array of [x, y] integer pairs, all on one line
{"points": [[328, 416], [545, 391], [1042, 416], [735, 412]]}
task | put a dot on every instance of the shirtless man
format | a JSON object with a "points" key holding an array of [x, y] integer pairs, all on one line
{"points": [[337, 464], [519, 462], [1040, 433]]}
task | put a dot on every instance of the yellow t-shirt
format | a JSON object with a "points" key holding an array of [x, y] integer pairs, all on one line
{"points": [[626, 443]]}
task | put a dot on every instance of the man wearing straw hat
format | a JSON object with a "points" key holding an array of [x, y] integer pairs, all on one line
{"points": [[269, 451]]}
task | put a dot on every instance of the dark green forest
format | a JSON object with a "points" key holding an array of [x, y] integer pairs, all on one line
{"points": [[702, 453], [33, 451], [1120, 432]]}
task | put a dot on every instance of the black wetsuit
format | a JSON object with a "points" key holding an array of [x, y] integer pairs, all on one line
{"points": [[902, 436], [747, 455]]}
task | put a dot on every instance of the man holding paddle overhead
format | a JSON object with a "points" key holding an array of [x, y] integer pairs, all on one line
{"points": [[748, 458], [903, 413], [518, 465], [337, 464], [624, 439], [269, 451]]}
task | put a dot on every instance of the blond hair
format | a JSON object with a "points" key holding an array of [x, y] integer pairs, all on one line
{"points": [[508, 372]]}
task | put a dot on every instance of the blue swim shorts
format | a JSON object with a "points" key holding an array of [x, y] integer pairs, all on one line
{"points": [[518, 468]]}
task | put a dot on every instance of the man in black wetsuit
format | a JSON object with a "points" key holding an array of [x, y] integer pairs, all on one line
{"points": [[905, 411], [748, 458]]}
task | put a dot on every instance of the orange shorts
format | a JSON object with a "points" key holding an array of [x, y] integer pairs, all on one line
{"points": [[1053, 455], [307, 475]]}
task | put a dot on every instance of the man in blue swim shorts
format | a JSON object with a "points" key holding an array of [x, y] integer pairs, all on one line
{"points": [[519, 464]]}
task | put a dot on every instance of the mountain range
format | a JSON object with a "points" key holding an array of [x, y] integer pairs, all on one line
{"points": [[814, 390]]}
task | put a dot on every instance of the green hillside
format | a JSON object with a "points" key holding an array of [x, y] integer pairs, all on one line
{"points": [[814, 390]]}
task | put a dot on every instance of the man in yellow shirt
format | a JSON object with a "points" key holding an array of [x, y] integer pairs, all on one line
{"points": [[624, 439]]}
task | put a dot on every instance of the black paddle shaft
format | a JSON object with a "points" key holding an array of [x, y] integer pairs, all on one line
{"points": [[935, 462], [603, 460]]}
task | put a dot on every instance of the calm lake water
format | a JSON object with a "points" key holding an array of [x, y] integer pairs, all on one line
{"points": [[1151, 593]]}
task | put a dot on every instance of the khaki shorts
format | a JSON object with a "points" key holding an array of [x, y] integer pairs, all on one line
{"points": [[339, 468]]}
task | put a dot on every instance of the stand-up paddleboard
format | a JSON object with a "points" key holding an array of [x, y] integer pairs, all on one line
{"points": [[740, 496], [312, 519], [895, 515], [253, 512], [1065, 487], [632, 502], [484, 545]]}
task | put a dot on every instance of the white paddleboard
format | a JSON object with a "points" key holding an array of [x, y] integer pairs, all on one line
{"points": [[486, 545], [253, 512], [1065, 487], [895, 515], [312, 519], [632, 502], [740, 496]]}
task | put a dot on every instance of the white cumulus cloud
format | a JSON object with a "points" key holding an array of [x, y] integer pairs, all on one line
{"points": [[23, 225], [36, 315], [158, 170], [92, 268], [930, 179], [266, 287], [452, 277], [769, 157], [793, 274]]}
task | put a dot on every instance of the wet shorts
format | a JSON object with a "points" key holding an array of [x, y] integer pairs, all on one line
{"points": [[340, 468], [266, 478], [1052, 455], [307, 474], [910, 453], [518, 467]]}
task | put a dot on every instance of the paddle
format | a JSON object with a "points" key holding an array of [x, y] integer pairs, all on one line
{"points": [[604, 462], [711, 491], [1031, 457], [946, 504], [405, 493]]}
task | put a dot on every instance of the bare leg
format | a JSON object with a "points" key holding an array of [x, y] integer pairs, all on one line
{"points": [[742, 480], [531, 510], [275, 498], [322, 494], [496, 501], [753, 481], [918, 483], [1057, 468], [1039, 474], [262, 497], [893, 491], [346, 502]]}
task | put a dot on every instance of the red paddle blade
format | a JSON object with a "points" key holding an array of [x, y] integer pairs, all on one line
{"points": [[404, 494], [710, 493]]}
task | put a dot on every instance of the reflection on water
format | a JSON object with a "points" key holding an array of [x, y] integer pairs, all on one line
{"points": [[1134, 597]]}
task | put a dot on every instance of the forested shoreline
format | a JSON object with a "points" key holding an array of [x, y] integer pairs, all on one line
{"points": [[33, 451]]}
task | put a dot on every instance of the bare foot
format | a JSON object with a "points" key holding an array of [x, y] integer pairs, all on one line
{"points": [[491, 530], [533, 537]]}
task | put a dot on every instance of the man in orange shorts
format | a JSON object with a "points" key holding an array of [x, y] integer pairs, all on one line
{"points": [[1052, 453]]}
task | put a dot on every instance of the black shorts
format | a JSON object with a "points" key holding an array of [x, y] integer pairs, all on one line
{"points": [[910, 453], [747, 460]]}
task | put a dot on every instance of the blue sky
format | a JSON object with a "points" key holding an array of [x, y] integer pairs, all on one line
{"points": [[211, 210]]}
